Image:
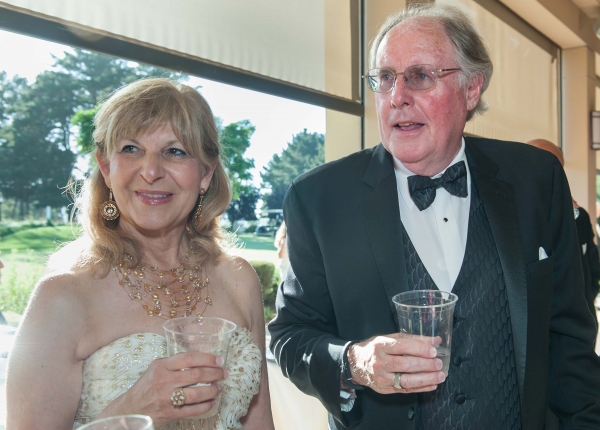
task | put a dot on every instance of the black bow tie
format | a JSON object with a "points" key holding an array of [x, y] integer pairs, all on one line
{"points": [[422, 188]]}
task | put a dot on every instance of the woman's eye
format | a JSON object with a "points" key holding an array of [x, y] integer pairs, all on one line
{"points": [[177, 152], [128, 149]]}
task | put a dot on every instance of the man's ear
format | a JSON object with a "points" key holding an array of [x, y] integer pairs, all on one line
{"points": [[474, 91], [104, 166]]}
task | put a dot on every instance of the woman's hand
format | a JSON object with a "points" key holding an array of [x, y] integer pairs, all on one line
{"points": [[151, 394]]}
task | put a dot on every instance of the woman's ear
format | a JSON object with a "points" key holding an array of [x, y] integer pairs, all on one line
{"points": [[205, 181], [104, 166]]}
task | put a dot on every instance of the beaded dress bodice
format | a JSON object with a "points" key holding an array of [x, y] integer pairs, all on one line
{"points": [[114, 368]]}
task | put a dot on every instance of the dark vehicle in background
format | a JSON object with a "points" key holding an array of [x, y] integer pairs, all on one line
{"points": [[269, 222], [265, 230]]}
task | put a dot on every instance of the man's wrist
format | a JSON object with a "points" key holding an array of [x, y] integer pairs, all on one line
{"points": [[347, 368]]}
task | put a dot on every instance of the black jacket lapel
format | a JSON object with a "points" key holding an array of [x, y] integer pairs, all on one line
{"points": [[501, 210], [382, 214]]}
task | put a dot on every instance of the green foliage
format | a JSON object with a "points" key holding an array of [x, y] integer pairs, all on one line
{"points": [[36, 158], [35, 155], [84, 120], [304, 152], [269, 281], [18, 278], [235, 140], [244, 207]]}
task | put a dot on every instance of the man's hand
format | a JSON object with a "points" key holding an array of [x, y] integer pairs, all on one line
{"points": [[375, 361]]}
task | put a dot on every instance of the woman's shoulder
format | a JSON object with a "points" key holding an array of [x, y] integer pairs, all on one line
{"points": [[62, 289], [59, 307], [234, 263], [63, 279], [236, 273], [240, 281]]}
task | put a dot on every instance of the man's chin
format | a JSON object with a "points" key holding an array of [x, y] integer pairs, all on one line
{"points": [[407, 151]]}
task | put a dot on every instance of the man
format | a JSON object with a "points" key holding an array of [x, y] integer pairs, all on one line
{"points": [[590, 260], [502, 238]]}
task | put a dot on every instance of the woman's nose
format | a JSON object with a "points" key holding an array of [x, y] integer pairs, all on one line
{"points": [[152, 167]]}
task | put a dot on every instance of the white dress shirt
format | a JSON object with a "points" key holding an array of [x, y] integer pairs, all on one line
{"points": [[438, 233]]}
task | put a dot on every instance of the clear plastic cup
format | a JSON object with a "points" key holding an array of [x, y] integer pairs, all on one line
{"points": [[204, 334], [428, 314], [123, 422]]}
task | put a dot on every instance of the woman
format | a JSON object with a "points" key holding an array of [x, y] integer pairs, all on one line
{"points": [[280, 243], [91, 344]]}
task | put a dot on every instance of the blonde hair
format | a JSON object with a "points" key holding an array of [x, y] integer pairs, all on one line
{"points": [[136, 109]]}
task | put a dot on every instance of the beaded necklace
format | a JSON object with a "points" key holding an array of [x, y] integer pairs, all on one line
{"points": [[180, 287]]}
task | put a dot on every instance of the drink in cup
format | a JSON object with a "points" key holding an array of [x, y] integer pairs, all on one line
{"points": [[123, 422], [428, 314], [204, 334]]}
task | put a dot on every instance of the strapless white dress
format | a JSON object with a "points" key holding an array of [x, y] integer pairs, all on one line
{"points": [[113, 369]]}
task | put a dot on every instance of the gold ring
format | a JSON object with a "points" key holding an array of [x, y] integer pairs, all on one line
{"points": [[178, 398], [397, 376]]}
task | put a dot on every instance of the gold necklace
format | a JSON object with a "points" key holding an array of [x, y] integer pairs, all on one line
{"points": [[150, 285]]}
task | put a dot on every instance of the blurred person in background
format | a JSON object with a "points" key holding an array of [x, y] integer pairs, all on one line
{"points": [[590, 258], [280, 244], [2, 319]]}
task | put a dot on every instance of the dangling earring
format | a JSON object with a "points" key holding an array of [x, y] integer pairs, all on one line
{"points": [[198, 214], [109, 210]]}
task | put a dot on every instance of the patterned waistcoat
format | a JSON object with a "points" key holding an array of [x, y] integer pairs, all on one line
{"points": [[481, 391]]}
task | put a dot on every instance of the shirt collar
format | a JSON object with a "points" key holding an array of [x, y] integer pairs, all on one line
{"points": [[402, 174]]}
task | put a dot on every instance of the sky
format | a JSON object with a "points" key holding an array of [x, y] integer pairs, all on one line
{"points": [[276, 119]]}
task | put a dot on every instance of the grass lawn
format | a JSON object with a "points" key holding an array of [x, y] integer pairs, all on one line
{"points": [[22, 270], [249, 241], [41, 238], [25, 253]]}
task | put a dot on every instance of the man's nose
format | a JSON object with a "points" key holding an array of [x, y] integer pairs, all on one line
{"points": [[401, 94]]}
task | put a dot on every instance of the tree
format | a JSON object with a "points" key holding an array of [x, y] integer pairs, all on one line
{"points": [[235, 139], [84, 121], [304, 152], [244, 207], [98, 75], [37, 154]]}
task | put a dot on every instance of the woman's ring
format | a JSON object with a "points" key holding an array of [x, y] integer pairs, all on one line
{"points": [[397, 376], [178, 398]]}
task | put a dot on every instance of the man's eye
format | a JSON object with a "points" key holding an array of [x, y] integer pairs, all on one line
{"points": [[386, 77], [419, 75]]}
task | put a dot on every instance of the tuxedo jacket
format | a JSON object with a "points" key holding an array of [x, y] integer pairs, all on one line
{"points": [[590, 259], [346, 257]]}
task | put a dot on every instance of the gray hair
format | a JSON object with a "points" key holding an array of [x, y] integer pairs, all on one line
{"points": [[470, 51]]}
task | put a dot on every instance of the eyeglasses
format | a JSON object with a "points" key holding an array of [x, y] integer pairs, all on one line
{"points": [[418, 78]]}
